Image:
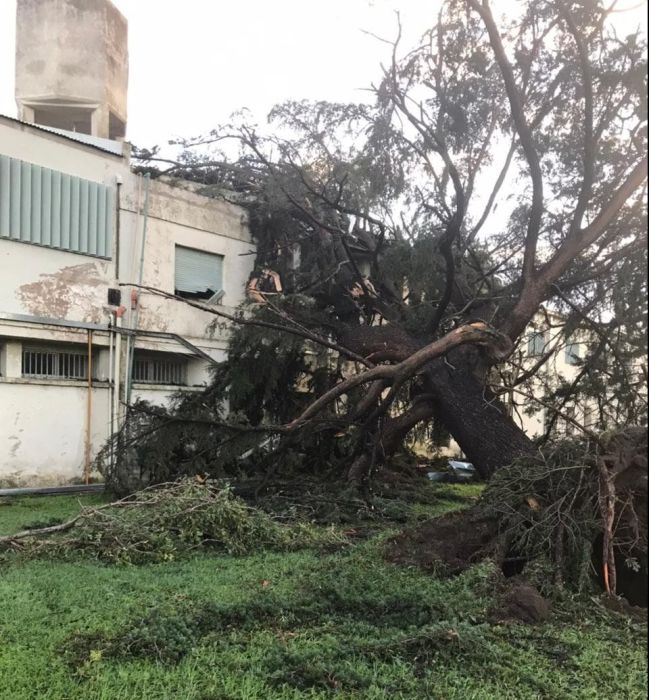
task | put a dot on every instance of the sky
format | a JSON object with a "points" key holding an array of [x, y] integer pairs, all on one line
{"points": [[195, 62]]}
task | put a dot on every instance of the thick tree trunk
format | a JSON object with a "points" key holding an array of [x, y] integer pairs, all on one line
{"points": [[478, 422], [461, 401]]}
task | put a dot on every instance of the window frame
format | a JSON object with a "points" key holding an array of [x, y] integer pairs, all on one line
{"points": [[56, 359], [216, 296], [152, 362], [532, 345], [572, 358]]}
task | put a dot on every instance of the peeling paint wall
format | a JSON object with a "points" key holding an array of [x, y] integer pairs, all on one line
{"points": [[74, 292]]}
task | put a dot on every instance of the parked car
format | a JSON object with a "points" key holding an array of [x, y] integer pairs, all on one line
{"points": [[455, 472]]}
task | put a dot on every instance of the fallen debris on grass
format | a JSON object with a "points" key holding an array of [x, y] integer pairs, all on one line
{"points": [[164, 521]]}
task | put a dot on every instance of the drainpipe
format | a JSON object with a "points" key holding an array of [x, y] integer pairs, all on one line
{"points": [[89, 413], [118, 207], [131, 271], [111, 387], [112, 332], [118, 355], [136, 297]]}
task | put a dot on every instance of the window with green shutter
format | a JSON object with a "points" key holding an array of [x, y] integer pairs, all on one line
{"points": [[198, 274], [49, 208]]}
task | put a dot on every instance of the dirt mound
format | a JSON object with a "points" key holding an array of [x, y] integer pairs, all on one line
{"points": [[520, 602], [450, 543], [622, 606]]}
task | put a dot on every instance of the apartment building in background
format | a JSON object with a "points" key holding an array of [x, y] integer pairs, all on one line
{"points": [[556, 360]]}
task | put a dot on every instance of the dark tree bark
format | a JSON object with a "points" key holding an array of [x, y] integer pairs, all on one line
{"points": [[456, 394], [475, 418]]}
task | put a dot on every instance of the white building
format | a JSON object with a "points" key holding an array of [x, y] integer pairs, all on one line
{"points": [[76, 227], [548, 359]]}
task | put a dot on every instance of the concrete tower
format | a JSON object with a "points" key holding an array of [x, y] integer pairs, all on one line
{"points": [[72, 65]]}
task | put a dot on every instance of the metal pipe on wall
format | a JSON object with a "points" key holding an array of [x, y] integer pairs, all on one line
{"points": [[134, 324], [89, 413], [130, 271], [111, 388], [118, 353]]}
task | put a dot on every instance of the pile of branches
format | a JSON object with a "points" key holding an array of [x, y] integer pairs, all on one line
{"points": [[576, 503], [164, 522]]}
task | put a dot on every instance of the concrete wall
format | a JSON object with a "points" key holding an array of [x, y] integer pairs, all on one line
{"points": [[43, 431], [178, 216], [71, 52], [41, 281]]}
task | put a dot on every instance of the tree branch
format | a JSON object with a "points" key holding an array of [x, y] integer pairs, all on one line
{"points": [[242, 321], [476, 333], [524, 134]]}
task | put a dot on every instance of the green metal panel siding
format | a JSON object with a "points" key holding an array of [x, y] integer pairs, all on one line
{"points": [[25, 201], [65, 211], [14, 204], [37, 176], [46, 207], [197, 271], [55, 226], [5, 194], [49, 208]]}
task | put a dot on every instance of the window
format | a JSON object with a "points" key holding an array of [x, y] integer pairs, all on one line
{"points": [[536, 344], [67, 118], [149, 369], [54, 363], [573, 353], [49, 208], [198, 275]]}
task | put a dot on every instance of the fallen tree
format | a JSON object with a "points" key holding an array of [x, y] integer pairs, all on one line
{"points": [[164, 522], [401, 294], [378, 220]]}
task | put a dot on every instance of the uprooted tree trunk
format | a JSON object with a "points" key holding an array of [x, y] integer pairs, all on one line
{"points": [[454, 393], [476, 419], [340, 208], [579, 507]]}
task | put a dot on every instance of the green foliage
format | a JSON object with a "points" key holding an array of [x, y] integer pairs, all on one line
{"points": [[262, 382], [170, 520]]}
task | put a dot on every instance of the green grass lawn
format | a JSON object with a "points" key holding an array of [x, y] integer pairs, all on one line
{"points": [[40, 511], [307, 624]]}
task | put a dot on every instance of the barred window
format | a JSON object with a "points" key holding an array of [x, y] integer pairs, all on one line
{"points": [[159, 370], [54, 363]]}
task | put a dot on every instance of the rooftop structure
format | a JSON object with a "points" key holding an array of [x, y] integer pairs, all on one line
{"points": [[72, 66]]}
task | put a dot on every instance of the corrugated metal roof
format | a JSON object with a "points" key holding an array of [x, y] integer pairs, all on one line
{"points": [[115, 148]]}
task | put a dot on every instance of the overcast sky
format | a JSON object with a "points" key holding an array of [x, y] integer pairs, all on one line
{"points": [[194, 62]]}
